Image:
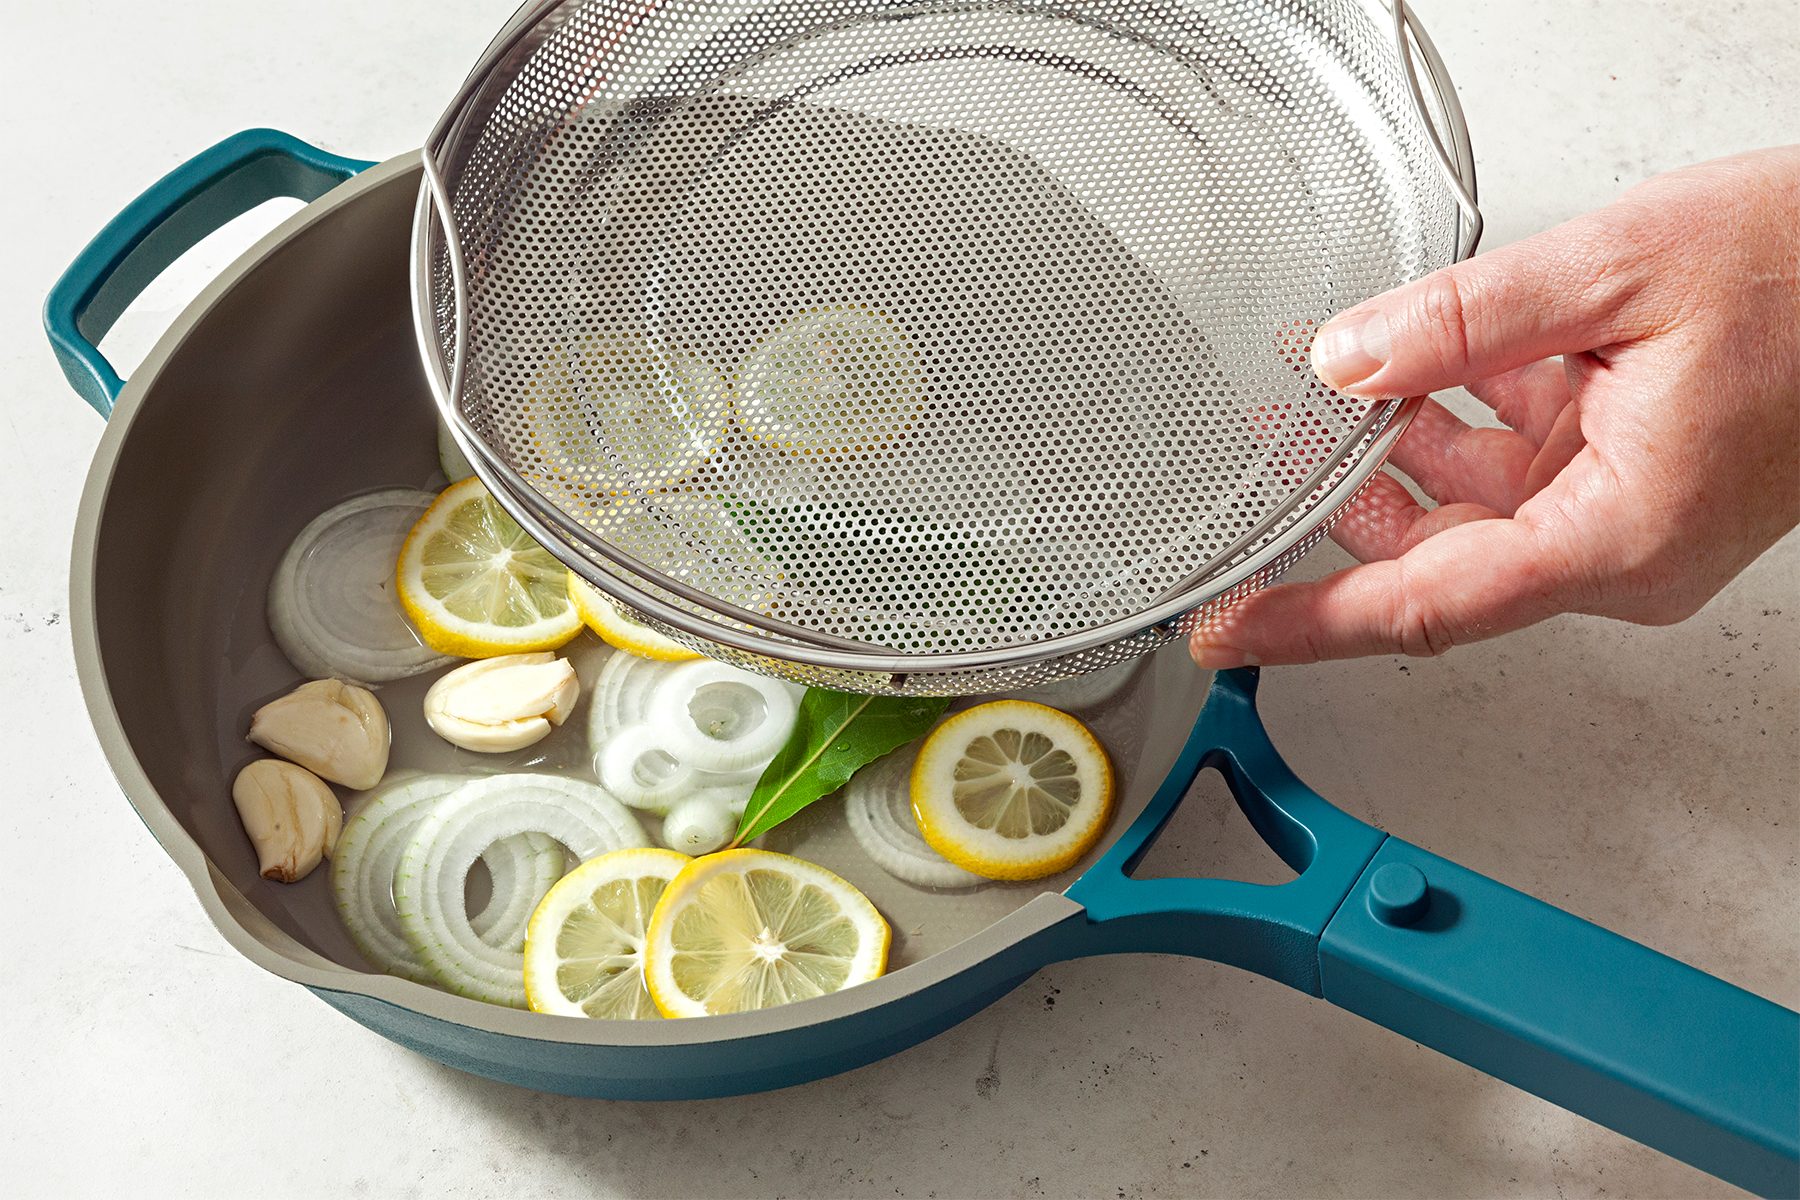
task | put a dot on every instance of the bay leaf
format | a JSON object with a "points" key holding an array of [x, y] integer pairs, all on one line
{"points": [[835, 735]]}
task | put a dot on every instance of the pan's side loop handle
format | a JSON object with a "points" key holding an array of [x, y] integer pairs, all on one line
{"points": [[162, 224], [1270, 929], [1457, 160]]}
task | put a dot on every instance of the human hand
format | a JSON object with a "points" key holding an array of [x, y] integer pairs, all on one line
{"points": [[1637, 474]]}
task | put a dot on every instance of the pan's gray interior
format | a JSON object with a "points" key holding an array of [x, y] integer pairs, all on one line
{"points": [[299, 385]]}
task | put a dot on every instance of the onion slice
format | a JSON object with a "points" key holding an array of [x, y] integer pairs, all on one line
{"points": [[622, 693], [521, 871], [331, 601], [878, 804], [428, 887], [718, 718], [699, 824], [634, 766], [368, 851]]}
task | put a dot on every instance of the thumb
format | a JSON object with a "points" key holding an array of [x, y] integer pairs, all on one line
{"points": [[1564, 291]]}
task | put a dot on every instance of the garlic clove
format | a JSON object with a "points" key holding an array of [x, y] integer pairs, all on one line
{"points": [[335, 729], [513, 690], [487, 739], [291, 816], [562, 700], [505, 703]]}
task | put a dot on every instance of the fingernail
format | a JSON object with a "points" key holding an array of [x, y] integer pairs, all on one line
{"points": [[1217, 656], [1351, 347]]}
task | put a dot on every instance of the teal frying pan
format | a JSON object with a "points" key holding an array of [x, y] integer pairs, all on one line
{"points": [[292, 381]]}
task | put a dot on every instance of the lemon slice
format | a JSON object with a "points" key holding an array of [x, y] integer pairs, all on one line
{"points": [[613, 626], [616, 416], [475, 585], [749, 929], [1012, 790], [831, 381], [584, 949]]}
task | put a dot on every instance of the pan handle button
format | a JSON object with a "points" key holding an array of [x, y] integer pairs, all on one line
{"points": [[1398, 894]]}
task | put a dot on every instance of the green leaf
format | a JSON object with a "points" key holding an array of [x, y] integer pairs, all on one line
{"points": [[836, 735]]}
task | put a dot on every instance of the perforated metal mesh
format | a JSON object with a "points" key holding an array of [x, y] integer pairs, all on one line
{"points": [[942, 329]]}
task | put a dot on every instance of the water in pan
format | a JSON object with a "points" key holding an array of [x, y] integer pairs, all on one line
{"points": [[1141, 724], [924, 920]]}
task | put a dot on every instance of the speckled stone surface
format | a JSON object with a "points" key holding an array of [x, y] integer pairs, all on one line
{"points": [[1646, 779]]}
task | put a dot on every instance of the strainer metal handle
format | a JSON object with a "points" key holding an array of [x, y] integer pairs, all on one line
{"points": [[523, 21], [1457, 161]]}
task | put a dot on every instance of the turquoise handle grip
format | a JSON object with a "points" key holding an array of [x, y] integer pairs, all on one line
{"points": [[154, 230], [1633, 1039], [1651, 1047]]}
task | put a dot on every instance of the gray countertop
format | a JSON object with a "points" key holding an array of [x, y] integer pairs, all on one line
{"points": [[1645, 779]]}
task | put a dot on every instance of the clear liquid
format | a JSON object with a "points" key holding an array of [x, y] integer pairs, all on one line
{"points": [[924, 920], [1141, 725]]}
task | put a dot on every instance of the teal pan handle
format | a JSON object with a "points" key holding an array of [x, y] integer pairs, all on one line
{"points": [[1635, 1040], [171, 216]]}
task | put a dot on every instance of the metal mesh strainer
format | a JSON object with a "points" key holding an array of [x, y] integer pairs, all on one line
{"points": [[928, 347]]}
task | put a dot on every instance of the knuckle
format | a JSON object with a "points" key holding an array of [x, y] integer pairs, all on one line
{"points": [[1440, 314], [1421, 632], [1607, 256], [1309, 647], [1658, 592], [1419, 627], [1629, 565]]}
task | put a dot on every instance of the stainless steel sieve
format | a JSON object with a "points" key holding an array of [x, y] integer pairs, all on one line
{"points": [[929, 347]]}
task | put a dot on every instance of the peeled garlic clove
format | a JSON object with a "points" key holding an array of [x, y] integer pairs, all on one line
{"points": [[334, 825], [291, 816], [334, 729], [517, 687], [505, 703], [487, 739]]}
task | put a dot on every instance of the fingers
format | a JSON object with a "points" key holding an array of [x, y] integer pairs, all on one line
{"points": [[1458, 463], [1386, 522], [1467, 583], [1561, 445], [1527, 399], [1566, 290]]}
